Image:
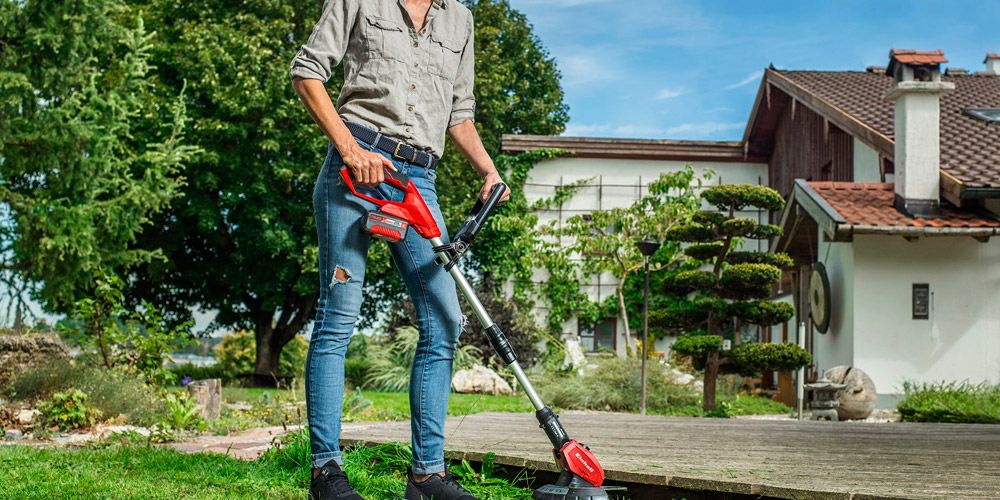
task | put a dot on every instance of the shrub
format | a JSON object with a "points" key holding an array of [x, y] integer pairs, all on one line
{"points": [[738, 227], [137, 341], [237, 354], [689, 280], [762, 312], [690, 232], [741, 196], [950, 402], [704, 251], [356, 371], [697, 345], [752, 358], [748, 280], [614, 386], [765, 232], [111, 392], [709, 218], [184, 412], [778, 259], [70, 410], [197, 372], [391, 360]]}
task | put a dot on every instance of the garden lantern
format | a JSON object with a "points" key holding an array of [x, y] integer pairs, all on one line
{"points": [[824, 403], [647, 247]]}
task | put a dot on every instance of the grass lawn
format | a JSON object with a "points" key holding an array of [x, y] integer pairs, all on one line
{"points": [[154, 472]]}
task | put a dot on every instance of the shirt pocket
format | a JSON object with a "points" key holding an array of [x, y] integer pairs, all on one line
{"points": [[385, 38], [446, 54]]}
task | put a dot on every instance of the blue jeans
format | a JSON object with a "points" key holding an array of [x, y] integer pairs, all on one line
{"points": [[343, 251]]}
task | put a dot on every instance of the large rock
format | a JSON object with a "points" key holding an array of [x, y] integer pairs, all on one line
{"points": [[20, 351], [27, 417], [857, 400], [480, 380]]}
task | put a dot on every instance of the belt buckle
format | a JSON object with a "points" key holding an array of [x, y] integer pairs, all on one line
{"points": [[395, 152]]}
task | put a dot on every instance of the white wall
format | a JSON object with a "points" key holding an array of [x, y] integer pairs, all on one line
{"points": [[836, 346], [866, 163], [618, 183], [960, 341]]}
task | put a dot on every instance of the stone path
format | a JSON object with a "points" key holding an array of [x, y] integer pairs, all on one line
{"points": [[246, 445]]}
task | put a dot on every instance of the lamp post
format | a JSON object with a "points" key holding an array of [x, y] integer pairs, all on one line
{"points": [[647, 247]]}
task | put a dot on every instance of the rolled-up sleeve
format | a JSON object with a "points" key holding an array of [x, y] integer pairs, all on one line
{"points": [[328, 43], [463, 105]]}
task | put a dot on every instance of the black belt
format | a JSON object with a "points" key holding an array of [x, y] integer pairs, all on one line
{"points": [[398, 150]]}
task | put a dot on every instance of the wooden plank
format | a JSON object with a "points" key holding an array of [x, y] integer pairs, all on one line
{"points": [[779, 458], [642, 149]]}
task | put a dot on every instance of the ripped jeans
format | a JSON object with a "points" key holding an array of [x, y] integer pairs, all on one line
{"points": [[343, 250]]}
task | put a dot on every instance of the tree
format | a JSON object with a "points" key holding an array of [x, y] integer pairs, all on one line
{"points": [[89, 152], [733, 291], [243, 238], [605, 240]]}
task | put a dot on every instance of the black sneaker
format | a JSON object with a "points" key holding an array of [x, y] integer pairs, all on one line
{"points": [[436, 488], [331, 484]]}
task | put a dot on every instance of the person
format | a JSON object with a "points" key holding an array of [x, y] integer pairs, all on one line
{"points": [[408, 79]]}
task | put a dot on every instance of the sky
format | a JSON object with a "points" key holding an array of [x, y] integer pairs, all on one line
{"points": [[687, 69]]}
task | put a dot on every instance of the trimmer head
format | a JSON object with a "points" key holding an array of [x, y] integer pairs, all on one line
{"points": [[570, 487]]}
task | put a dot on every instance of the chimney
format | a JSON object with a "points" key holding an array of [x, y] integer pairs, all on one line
{"points": [[916, 91], [992, 62]]}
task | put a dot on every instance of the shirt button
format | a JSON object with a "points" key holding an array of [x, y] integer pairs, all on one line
{"points": [[409, 108], [408, 130], [416, 44], [413, 86]]}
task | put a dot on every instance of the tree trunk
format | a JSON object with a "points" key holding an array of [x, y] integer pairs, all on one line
{"points": [[619, 290], [711, 374], [265, 371]]}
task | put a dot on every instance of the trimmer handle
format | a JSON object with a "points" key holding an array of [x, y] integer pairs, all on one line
{"points": [[479, 213], [412, 208]]}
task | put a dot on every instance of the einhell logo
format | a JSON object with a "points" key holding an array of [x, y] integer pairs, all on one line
{"points": [[583, 461]]}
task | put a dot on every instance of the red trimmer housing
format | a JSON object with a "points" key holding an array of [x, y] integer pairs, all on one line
{"points": [[579, 460]]}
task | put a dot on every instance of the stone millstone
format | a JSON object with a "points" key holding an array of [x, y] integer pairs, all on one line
{"points": [[857, 400], [480, 380]]}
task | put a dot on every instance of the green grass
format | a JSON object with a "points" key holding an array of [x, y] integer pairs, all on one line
{"points": [[153, 472], [950, 402]]}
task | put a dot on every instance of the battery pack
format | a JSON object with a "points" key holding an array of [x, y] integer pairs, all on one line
{"points": [[384, 226]]}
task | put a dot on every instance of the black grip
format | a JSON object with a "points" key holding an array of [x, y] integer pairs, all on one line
{"points": [[399, 177], [479, 213]]}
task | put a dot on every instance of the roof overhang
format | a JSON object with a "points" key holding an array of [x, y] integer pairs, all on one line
{"points": [[636, 149], [805, 201]]}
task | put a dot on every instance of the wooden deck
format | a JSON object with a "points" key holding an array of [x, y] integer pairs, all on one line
{"points": [[770, 458]]}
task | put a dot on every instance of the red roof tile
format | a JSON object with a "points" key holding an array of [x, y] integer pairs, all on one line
{"points": [[871, 204], [970, 148], [991, 55], [918, 57]]}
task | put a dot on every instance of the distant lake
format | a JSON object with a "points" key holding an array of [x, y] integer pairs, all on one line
{"points": [[194, 359]]}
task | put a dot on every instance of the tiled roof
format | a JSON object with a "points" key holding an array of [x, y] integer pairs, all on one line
{"points": [[918, 57], [871, 204], [991, 55], [970, 148]]}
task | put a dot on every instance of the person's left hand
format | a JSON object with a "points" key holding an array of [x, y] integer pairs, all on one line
{"points": [[490, 181]]}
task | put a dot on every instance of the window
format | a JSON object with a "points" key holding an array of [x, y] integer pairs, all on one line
{"points": [[991, 115], [598, 337]]}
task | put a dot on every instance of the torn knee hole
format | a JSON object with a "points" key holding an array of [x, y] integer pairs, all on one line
{"points": [[340, 275]]}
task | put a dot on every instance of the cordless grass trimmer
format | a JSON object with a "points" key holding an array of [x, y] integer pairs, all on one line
{"points": [[581, 475]]}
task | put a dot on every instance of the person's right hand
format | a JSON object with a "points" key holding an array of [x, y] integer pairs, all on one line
{"points": [[366, 167]]}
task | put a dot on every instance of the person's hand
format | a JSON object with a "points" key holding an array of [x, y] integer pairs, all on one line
{"points": [[367, 167], [490, 181]]}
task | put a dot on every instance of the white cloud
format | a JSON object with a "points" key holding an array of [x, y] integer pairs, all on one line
{"points": [[580, 70], [701, 130], [668, 93], [751, 78]]}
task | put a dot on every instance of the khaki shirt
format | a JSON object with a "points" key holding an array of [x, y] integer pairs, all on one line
{"points": [[410, 86]]}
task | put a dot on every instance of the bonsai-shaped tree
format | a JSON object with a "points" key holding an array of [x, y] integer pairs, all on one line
{"points": [[728, 288]]}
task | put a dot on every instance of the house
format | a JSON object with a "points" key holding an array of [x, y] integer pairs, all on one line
{"points": [[892, 177], [615, 173], [893, 181]]}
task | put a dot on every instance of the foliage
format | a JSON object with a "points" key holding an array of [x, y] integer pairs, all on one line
{"points": [[752, 358], [392, 359], [237, 352], [613, 385], [111, 392], [89, 151], [184, 411], [136, 342], [728, 289], [740, 196], [606, 240], [70, 410], [951, 402]]}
